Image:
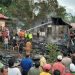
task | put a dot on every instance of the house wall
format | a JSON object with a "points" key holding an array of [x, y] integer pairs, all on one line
{"points": [[51, 32], [57, 33]]}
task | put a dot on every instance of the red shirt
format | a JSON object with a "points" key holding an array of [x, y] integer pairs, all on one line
{"points": [[59, 66], [68, 74]]}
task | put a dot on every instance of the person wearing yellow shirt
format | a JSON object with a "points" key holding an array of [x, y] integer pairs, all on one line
{"points": [[42, 60], [30, 36], [46, 69]]}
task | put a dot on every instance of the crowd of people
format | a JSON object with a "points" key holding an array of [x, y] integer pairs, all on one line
{"points": [[64, 65], [12, 40]]}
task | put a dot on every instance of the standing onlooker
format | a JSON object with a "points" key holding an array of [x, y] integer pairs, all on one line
{"points": [[35, 70], [59, 66], [13, 70], [8, 33], [26, 64], [28, 47], [6, 43], [42, 61], [21, 47], [46, 69], [14, 43], [38, 35]]}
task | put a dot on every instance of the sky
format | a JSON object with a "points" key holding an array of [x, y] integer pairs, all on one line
{"points": [[69, 5]]}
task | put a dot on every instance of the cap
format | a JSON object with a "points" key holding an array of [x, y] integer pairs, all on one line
{"points": [[59, 57], [47, 67]]}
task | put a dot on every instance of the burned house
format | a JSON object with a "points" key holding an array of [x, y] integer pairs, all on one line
{"points": [[54, 29]]}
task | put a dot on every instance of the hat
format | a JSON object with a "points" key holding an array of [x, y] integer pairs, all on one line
{"points": [[47, 67], [59, 57]]}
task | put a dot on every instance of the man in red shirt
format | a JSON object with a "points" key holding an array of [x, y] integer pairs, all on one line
{"points": [[59, 66]]}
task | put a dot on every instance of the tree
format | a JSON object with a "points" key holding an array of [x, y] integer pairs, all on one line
{"points": [[53, 5], [6, 2], [61, 12], [73, 19], [23, 9]]}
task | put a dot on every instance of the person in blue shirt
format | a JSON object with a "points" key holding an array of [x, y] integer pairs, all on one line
{"points": [[26, 64]]}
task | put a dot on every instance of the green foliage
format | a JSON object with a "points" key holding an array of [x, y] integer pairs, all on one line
{"points": [[53, 52], [73, 19], [53, 5], [4, 10], [61, 12], [23, 9]]}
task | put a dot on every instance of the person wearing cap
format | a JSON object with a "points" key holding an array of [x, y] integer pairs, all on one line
{"points": [[11, 69], [30, 36], [46, 69], [59, 66]]}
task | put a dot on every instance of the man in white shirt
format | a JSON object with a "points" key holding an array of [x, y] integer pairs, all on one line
{"points": [[13, 70]]}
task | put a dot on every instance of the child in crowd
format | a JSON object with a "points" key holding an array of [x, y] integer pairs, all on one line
{"points": [[46, 69], [6, 43]]}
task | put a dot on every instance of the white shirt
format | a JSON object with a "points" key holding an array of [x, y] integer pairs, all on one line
{"points": [[14, 71], [6, 41]]}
